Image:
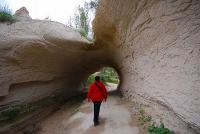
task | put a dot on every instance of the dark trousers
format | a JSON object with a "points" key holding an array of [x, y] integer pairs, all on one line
{"points": [[97, 105]]}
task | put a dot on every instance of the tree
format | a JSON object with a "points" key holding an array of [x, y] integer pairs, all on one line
{"points": [[81, 19], [94, 4], [84, 18]]}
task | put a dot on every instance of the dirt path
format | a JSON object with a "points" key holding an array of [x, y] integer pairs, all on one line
{"points": [[114, 119]]}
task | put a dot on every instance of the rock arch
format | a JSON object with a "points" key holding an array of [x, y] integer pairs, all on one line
{"points": [[154, 45]]}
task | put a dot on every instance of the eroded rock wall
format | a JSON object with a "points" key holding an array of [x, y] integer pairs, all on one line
{"points": [[156, 46], [40, 57]]}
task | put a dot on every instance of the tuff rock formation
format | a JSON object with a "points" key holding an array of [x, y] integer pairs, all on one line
{"points": [[39, 57], [42, 59], [156, 46]]}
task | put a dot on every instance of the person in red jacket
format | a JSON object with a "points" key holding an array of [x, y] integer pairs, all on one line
{"points": [[97, 93]]}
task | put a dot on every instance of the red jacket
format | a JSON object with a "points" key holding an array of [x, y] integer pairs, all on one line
{"points": [[96, 94]]}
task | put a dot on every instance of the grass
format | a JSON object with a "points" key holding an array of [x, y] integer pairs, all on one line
{"points": [[6, 14]]}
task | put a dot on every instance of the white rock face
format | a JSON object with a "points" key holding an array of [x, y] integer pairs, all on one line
{"points": [[156, 46]]}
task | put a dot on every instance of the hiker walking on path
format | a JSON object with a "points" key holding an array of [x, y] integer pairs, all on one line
{"points": [[97, 93]]}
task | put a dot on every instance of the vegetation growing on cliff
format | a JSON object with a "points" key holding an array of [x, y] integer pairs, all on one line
{"points": [[159, 129], [6, 14], [152, 128]]}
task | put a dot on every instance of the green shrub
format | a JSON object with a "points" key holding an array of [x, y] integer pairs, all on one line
{"points": [[6, 14], [91, 79], [154, 129], [107, 74], [4, 17], [113, 80]]}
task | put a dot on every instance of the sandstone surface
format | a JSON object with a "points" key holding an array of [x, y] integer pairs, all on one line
{"points": [[156, 46]]}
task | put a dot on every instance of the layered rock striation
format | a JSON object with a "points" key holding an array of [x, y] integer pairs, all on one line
{"points": [[156, 47]]}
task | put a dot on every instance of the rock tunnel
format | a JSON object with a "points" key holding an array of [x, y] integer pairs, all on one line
{"points": [[153, 45]]}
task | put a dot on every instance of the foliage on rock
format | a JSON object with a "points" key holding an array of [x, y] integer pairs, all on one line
{"points": [[161, 129], [6, 14]]}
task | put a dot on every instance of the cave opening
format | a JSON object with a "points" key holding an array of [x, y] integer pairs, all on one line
{"points": [[108, 75]]}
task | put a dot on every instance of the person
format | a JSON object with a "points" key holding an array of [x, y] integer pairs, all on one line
{"points": [[97, 93]]}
